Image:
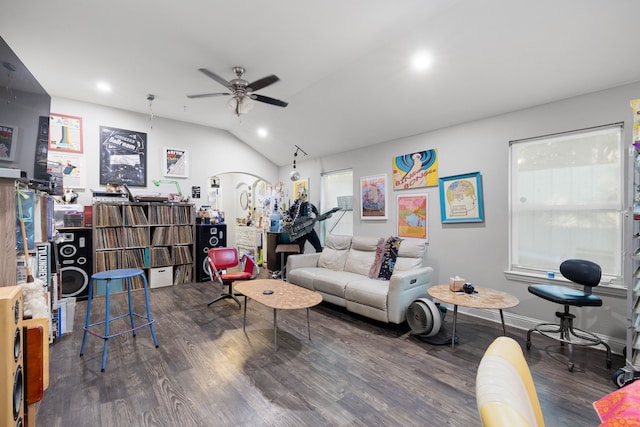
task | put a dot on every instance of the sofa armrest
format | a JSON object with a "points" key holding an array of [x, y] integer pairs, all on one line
{"points": [[302, 260], [404, 288]]}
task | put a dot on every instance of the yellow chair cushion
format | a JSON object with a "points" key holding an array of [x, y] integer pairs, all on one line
{"points": [[505, 392]]}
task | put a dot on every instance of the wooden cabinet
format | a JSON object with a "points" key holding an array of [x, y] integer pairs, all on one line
{"points": [[155, 237], [8, 232]]}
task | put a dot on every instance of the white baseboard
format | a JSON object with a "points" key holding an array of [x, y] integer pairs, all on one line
{"points": [[525, 323]]}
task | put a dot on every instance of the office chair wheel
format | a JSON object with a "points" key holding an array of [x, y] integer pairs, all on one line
{"points": [[570, 366], [624, 376], [618, 378]]}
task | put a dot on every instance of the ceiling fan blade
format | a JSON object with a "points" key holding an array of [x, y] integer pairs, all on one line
{"points": [[263, 82], [207, 95], [268, 100], [215, 77]]}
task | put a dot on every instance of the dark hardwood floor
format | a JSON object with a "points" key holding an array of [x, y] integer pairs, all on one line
{"points": [[354, 372]]}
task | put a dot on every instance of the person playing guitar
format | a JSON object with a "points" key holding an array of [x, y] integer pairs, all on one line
{"points": [[301, 226]]}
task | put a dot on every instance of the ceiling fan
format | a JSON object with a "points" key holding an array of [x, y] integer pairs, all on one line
{"points": [[241, 90]]}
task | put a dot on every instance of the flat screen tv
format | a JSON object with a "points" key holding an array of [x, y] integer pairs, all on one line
{"points": [[24, 119]]}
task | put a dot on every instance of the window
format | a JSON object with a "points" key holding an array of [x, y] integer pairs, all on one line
{"points": [[337, 190], [566, 201]]}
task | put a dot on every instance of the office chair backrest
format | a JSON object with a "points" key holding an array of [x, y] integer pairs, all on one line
{"points": [[582, 272], [250, 266], [505, 392], [223, 257]]}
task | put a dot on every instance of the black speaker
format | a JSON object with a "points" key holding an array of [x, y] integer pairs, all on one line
{"points": [[75, 256], [12, 401], [208, 236]]}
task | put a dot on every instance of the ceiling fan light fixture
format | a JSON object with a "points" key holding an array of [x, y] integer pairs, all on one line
{"points": [[240, 105], [241, 91]]}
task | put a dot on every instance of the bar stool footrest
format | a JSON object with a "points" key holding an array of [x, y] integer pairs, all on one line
{"points": [[117, 334]]}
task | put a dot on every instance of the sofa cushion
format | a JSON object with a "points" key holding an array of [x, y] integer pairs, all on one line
{"points": [[361, 255], [369, 292], [411, 255], [335, 251], [305, 276], [334, 282]]}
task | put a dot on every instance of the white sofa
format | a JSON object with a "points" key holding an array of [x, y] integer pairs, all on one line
{"points": [[341, 274]]}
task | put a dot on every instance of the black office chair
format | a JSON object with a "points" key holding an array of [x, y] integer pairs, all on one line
{"points": [[582, 272]]}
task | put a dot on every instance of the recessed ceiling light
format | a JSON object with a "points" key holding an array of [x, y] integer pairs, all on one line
{"points": [[103, 87], [262, 132], [421, 61]]}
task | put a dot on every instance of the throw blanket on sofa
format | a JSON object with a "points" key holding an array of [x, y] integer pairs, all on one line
{"points": [[385, 261]]}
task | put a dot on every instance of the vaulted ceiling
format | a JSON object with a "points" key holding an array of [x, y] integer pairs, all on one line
{"points": [[345, 66]]}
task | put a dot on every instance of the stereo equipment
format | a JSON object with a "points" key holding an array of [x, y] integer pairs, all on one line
{"points": [[108, 197], [12, 401], [74, 253], [208, 236]]}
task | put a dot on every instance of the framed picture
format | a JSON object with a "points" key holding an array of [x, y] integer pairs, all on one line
{"points": [[461, 198], [175, 163], [373, 197], [72, 166], [413, 216], [415, 170], [299, 187], [65, 133], [123, 157], [8, 142]]}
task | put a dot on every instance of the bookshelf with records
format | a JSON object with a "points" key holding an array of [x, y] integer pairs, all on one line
{"points": [[155, 237]]}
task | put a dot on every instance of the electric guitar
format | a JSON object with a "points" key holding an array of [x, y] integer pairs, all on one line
{"points": [[304, 225]]}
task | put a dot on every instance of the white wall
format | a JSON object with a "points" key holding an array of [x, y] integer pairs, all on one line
{"points": [[211, 151], [479, 251]]}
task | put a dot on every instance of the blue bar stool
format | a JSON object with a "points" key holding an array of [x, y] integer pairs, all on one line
{"points": [[126, 274]]}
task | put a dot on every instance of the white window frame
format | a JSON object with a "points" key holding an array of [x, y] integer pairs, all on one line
{"points": [[529, 273], [340, 222]]}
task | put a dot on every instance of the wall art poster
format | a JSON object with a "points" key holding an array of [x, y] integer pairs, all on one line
{"points": [[299, 187], [8, 141], [176, 163], [461, 198], [42, 150], [413, 216], [65, 133], [71, 166], [123, 157], [373, 197], [415, 170]]}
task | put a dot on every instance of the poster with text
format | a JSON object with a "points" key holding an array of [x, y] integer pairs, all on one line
{"points": [[176, 163], [72, 167], [8, 141], [123, 157], [65, 133], [415, 170]]}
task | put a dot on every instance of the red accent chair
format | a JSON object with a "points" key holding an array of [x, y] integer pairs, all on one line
{"points": [[221, 259]]}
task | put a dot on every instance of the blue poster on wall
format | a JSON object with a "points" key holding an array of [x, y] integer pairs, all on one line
{"points": [[25, 209]]}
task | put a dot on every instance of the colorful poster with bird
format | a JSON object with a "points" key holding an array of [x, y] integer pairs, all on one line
{"points": [[413, 216], [415, 170]]}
